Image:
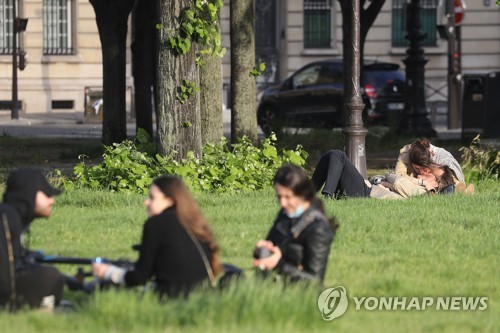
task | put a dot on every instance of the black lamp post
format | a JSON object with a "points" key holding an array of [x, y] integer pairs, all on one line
{"points": [[414, 120], [355, 133], [19, 25]]}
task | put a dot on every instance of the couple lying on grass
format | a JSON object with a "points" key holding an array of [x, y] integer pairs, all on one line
{"points": [[421, 168], [178, 249]]}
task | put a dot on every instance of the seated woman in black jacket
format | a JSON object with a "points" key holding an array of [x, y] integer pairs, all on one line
{"points": [[299, 241], [178, 248]]}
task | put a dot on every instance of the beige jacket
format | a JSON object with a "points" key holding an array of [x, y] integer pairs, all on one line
{"points": [[402, 187]]}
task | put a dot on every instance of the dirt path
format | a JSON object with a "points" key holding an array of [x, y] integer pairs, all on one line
{"points": [[50, 154]]}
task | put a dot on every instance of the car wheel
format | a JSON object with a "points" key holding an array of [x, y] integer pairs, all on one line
{"points": [[269, 120]]}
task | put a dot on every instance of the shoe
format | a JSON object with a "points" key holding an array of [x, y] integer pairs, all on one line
{"points": [[460, 187], [327, 195], [376, 180], [470, 189], [64, 306]]}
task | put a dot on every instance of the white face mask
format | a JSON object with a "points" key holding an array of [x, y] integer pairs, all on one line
{"points": [[299, 211]]}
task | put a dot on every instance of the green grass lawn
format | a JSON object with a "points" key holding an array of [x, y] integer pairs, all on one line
{"points": [[425, 246]]}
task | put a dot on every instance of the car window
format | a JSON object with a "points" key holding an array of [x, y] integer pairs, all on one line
{"points": [[307, 77], [381, 78], [330, 75]]}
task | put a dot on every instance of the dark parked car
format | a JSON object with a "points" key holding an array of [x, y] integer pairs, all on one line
{"points": [[313, 96]]}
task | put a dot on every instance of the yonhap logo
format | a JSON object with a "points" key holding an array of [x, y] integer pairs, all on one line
{"points": [[333, 302]]}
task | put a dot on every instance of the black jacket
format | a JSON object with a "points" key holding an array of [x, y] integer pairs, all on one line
{"points": [[168, 255], [18, 211], [9, 216], [305, 244]]}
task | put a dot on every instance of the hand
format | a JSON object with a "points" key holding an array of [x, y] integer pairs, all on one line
{"points": [[386, 184], [265, 243], [270, 262], [430, 182], [99, 270]]}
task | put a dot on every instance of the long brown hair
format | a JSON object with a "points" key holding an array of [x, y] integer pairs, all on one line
{"points": [[189, 215], [420, 153]]}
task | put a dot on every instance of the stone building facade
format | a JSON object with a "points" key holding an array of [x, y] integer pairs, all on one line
{"points": [[64, 56]]}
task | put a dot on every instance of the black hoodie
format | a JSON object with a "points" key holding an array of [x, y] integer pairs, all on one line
{"points": [[17, 212]]}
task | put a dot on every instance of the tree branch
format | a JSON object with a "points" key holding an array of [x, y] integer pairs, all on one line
{"points": [[369, 14]]}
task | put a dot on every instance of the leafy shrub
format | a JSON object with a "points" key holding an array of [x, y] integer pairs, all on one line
{"points": [[221, 168], [479, 162]]}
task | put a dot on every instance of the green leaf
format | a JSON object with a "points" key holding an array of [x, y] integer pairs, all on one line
{"points": [[184, 45], [188, 28], [270, 152], [142, 136]]}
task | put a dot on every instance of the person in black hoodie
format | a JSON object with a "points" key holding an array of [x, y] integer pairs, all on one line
{"points": [[28, 195]]}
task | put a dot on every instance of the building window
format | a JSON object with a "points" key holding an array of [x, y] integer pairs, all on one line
{"points": [[58, 27], [428, 10], [6, 26], [317, 24]]}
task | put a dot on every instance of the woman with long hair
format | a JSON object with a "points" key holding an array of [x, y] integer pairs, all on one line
{"points": [[298, 244], [422, 153], [178, 248]]}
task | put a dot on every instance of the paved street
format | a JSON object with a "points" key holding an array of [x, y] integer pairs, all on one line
{"points": [[64, 125], [71, 125]]}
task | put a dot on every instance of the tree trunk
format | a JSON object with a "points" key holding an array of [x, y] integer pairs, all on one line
{"points": [[179, 128], [144, 61], [243, 104], [367, 17], [346, 43], [111, 18], [211, 99]]}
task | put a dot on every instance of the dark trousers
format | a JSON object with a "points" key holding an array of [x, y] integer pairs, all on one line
{"points": [[34, 283], [339, 176]]}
